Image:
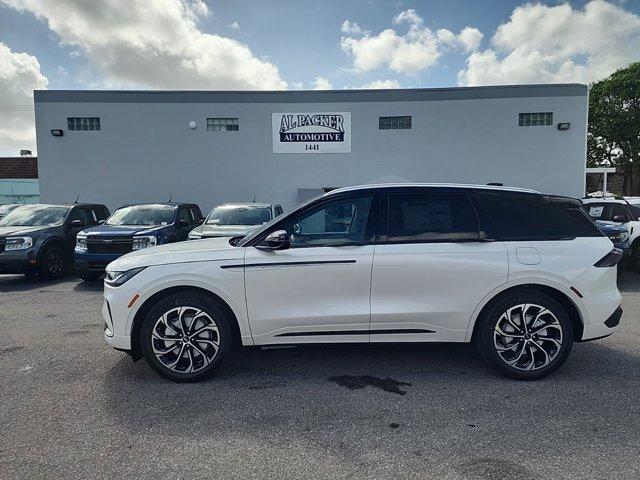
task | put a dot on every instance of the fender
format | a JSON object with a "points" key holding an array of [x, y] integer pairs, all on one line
{"points": [[48, 240], [197, 281], [524, 281]]}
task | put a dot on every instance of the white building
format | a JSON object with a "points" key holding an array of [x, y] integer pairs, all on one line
{"points": [[121, 147]]}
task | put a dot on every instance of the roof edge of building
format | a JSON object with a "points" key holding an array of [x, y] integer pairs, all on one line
{"points": [[312, 96]]}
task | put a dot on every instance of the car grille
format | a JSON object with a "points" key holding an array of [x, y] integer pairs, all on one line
{"points": [[3, 242], [113, 245]]}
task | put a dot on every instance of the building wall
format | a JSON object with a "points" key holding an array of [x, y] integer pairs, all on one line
{"points": [[19, 190], [146, 152]]}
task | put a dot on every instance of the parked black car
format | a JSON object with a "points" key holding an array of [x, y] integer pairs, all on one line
{"points": [[38, 239], [133, 227]]}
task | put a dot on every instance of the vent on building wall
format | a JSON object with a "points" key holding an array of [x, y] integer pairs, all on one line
{"points": [[394, 123], [222, 124], [83, 123], [538, 119]]}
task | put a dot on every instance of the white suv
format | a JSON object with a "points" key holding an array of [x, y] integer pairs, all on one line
{"points": [[618, 210], [521, 274]]}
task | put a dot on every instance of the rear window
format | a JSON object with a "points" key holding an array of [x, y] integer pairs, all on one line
{"points": [[538, 218]]}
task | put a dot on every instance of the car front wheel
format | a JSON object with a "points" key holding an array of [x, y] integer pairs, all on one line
{"points": [[186, 337], [52, 265], [526, 335]]}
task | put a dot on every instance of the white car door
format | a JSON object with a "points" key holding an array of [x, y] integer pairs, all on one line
{"points": [[431, 269], [317, 290]]}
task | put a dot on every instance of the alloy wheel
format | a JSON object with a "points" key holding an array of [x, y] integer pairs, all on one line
{"points": [[185, 339], [527, 337], [55, 264]]}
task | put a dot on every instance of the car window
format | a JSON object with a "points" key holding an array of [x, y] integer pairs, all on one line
{"points": [[335, 223], [538, 218], [35, 215], [239, 215], [79, 214], [605, 211], [419, 218], [195, 214], [183, 215], [142, 215], [100, 213], [279, 210]]}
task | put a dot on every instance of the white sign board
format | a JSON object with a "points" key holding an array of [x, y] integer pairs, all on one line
{"points": [[314, 132]]}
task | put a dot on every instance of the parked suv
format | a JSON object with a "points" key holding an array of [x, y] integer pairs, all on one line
{"points": [[38, 239], [130, 228], [619, 211], [521, 274], [235, 220]]}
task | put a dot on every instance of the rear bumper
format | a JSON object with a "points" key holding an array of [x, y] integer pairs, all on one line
{"points": [[595, 331]]}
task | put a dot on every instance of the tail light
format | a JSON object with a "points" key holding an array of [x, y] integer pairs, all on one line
{"points": [[611, 259]]}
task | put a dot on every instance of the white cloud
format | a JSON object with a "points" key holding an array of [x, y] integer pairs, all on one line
{"points": [[378, 84], [19, 76], [154, 43], [352, 28], [542, 44], [419, 48], [321, 83], [234, 26]]}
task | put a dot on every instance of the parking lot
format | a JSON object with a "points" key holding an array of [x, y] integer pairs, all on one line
{"points": [[73, 407]]}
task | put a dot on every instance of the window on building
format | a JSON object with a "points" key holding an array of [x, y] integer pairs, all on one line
{"points": [[394, 123], [222, 124], [83, 123], [539, 119]]}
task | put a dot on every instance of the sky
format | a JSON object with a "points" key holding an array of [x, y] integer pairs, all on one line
{"points": [[300, 44]]}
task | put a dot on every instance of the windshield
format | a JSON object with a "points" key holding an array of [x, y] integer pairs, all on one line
{"points": [[237, 215], [4, 209], [142, 215], [34, 215]]}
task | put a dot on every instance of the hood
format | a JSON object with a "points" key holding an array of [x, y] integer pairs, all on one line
{"points": [[21, 230], [119, 230], [225, 230], [204, 250]]}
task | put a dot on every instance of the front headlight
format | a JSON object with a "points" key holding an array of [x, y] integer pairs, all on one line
{"points": [[115, 279], [18, 243], [81, 243], [144, 241]]}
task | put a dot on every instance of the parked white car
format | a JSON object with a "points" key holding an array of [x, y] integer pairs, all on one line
{"points": [[521, 274], [235, 220], [622, 212]]}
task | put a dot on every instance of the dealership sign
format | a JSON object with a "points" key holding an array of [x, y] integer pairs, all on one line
{"points": [[316, 132]]}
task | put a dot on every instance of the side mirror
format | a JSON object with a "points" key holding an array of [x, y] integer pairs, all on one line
{"points": [[201, 221], [76, 223], [278, 240], [620, 219], [101, 222]]}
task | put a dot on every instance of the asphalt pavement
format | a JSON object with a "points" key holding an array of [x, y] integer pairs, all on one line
{"points": [[72, 407]]}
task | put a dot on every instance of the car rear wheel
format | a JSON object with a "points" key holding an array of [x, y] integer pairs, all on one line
{"points": [[526, 335], [52, 265], [186, 337]]}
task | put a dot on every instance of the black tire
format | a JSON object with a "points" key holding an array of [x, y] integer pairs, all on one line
{"points": [[90, 277], [192, 351], [488, 346], [52, 264], [634, 261]]}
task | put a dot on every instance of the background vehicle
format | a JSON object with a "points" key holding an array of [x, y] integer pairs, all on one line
{"points": [[619, 211], [39, 239], [130, 228], [620, 238], [235, 220], [520, 274], [4, 209]]}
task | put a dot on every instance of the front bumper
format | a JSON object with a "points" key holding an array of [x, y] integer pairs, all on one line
{"points": [[93, 262], [21, 261]]}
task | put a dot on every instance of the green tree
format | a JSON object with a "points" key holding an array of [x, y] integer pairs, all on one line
{"points": [[613, 137]]}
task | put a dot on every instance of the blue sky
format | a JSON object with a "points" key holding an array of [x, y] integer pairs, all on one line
{"points": [[252, 44]]}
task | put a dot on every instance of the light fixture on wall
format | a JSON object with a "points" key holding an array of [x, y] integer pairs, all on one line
{"points": [[57, 132], [564, 126], [192, 125]]}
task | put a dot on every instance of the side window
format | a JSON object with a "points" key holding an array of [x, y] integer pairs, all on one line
{"points": [[278, 210], [183, 215], [340, 222], [518, 218], [618, 209], [431, 218], [595, 210], [196, 216], [100, 214], [79, 214]]}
